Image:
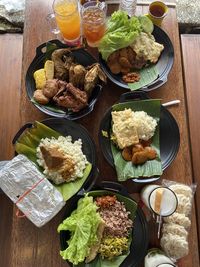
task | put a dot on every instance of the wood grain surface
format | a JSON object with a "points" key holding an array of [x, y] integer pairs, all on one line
{"points": [[34, 247], [10, 73], [191, 65]]}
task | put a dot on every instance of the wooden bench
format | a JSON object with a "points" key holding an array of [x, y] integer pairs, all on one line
{"points": [[191, 64], [10, 87]]}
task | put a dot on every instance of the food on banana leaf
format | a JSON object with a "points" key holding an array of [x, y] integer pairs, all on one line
{"points": [[61, 159], [100, 228], [129, 45], [47, 148], [135, 139], [67, 84], [130, 129]]}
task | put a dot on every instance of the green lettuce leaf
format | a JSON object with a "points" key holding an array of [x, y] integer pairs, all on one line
{"points": [[131, 206], [121, 32], [82, 224]]}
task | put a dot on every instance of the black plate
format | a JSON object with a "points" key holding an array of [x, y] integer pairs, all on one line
{"points": [[140, 238], [169, 135], [82, 57], [164, 63], [67, 127]]}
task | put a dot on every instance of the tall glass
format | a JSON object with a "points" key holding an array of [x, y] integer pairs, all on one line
{"points": [[67, 16], [94, 21]]}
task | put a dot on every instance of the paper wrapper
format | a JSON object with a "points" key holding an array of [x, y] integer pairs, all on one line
{"points": [[28, 188]]}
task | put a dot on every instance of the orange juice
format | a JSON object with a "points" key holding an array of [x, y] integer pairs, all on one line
{"points": [[68, 19]]}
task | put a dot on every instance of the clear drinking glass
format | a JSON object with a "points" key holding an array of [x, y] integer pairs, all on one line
{"points": [[129, 6], [66, 20], [93, 21]]}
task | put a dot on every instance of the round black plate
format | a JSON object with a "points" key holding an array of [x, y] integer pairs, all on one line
{"points": [[67, 127], [169, 139], [82, 57], [140, 238], [164, 63]]}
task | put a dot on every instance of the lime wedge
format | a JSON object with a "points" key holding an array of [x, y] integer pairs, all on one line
{"points": [[146, 23]]}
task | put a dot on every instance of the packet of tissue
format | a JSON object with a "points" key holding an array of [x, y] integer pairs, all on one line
{"points": [[29, 189]]}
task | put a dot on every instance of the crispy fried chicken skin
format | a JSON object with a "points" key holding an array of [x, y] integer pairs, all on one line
{"points": [[40, 97], [77, 75], [62, 58], [51, 88], [71, 97], [123, 60]]}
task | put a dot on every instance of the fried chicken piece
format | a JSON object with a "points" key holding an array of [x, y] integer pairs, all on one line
{"points": [[125, 70], [53, 157], [131, 54], [71, 97], [137, 148], [62, 58], [93, 74], [40, 97], [139, 63], [151, 153], [124, 62], [140, 157], [127, 153], [114, 67], [145, 143], [51, 88], [131, 77], [77, 75]]}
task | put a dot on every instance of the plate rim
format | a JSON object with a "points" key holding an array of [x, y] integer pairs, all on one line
{"points": [[39, 55], [162, 78], [139, 214], [111, 162]]}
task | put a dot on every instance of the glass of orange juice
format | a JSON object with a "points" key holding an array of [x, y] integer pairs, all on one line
{"points": [[68, 21], [94, 21]]}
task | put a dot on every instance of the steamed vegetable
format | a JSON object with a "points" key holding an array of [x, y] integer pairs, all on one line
{"points": [[121, 32], [82, 224], [113, 246]]}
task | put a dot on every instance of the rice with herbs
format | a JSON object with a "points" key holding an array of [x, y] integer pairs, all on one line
{"points": [[71, 149], [145, 125]]}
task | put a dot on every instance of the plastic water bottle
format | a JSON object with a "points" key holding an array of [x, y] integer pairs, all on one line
{"points": [[129, 6]]}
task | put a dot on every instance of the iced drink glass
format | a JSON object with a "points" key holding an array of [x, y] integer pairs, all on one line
{"points": [[94, 21], [67, 16]]}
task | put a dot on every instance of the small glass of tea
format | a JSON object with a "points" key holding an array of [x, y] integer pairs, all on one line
{"points": [[157, 11]]}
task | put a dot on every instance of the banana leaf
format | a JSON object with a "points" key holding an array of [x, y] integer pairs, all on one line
{"points": [[131, 206], [125, 169], [27, 144], [51, 107], [147, 76]]}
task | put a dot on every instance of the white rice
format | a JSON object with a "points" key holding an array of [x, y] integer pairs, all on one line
{"points": [[73, 150], [145, 124]]}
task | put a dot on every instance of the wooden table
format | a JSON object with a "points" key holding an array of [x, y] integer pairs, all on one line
{"points": [[21, 243]]}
